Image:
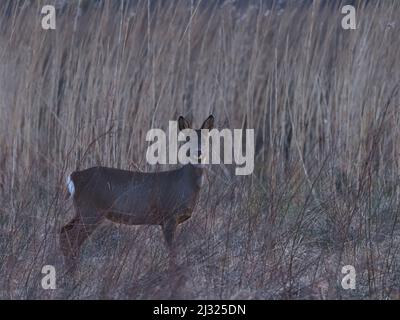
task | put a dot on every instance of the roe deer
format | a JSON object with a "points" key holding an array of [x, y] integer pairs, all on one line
{"points": [[165, 198]]}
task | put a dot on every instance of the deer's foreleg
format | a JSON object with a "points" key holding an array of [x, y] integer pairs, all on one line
{"points": [[169, 230]]}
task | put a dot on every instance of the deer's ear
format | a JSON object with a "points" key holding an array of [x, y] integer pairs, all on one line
{"points": [[208, 123], [183, 123]]}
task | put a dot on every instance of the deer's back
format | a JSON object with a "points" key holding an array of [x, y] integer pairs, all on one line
{"points": [[141, 197]]}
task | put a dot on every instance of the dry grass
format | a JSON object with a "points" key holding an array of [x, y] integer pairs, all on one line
{"points": [[323, 102]]}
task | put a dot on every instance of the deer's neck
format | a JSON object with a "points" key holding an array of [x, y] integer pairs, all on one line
{"points": [[198, 168], [196, 171]]}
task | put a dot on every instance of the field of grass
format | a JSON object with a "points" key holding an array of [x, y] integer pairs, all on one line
{"points": [[324, 104]]}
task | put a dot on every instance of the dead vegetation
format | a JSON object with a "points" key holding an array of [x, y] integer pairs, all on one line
{"points": [[324, 104]]}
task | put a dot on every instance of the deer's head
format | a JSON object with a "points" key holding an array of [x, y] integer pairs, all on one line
{"points": [[196, 148]]}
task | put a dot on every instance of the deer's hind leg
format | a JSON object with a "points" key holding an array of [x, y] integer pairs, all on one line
{"points": [[74, 234]]}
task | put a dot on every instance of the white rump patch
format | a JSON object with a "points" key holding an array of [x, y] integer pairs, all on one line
{"points": [[70, 185]]}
